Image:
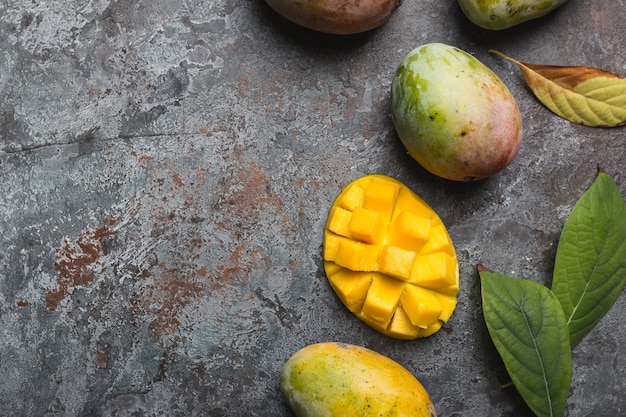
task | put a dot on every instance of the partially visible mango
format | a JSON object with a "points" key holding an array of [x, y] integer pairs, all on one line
{"points": [[504, 14], [389, 258], [340, 380], [453, 114], [339, 17]]}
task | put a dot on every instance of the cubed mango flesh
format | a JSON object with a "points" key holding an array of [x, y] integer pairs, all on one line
{"points": [[351, 287], [389, 258], [365, 225], [382, 298]]}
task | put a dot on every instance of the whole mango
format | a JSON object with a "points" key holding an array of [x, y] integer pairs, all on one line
{"points": [[504, 14], [453, 114], [340, 17], [340, 380]]}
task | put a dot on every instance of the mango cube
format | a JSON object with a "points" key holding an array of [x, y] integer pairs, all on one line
{"points": [[409, 230], [339, 221], [382, 299], [439, 240], [448, 302], [381, 195], [401, 326], [357, 256], [330, 247], [365, 225], [396, 262], [434, 270], [331, 268], [351, 287], [421, 306], [352, 198]]}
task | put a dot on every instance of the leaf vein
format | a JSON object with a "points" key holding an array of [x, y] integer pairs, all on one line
{"points": [[539, 358]]}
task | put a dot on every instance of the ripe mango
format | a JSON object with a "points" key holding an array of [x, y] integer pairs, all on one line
{"points": [[389, 258], [453, 114], [504, 14], [340, 17], [339, 380]]}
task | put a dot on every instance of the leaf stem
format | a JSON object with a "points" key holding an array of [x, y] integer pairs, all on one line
{"points": [[502, 55], [507, 385]]}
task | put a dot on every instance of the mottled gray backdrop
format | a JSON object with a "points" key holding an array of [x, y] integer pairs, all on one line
{"points": [[166, 168]]}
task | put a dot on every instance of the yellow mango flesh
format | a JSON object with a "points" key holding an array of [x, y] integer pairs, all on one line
{"points": [[389, 258], [341, 380]]}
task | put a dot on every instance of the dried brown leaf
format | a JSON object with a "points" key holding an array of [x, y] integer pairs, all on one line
{"points": [[580, 94]]}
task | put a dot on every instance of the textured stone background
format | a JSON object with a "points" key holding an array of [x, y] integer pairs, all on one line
{"points": [[166, 167]]}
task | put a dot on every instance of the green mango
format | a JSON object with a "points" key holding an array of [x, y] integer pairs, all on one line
{"points": [[453, 114], [340, 380], [339, 17], [504, 14]]}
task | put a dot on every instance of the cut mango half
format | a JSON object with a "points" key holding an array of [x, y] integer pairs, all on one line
{"points": [[389, 258]]}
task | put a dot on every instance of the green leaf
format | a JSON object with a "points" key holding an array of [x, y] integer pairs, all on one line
{"points": [[527, 326], [590, 264]]}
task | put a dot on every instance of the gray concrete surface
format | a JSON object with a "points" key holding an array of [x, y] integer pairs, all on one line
{"points": [[165, 172]]}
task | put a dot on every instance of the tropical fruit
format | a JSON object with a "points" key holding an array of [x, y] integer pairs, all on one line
{"points": [[340, 380], [504, 14], [389, 258], [340, 17], [453, 114]]}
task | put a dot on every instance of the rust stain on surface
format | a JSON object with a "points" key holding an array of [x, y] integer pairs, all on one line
{"points": [[238, 265], [166, 298], [251, 191], [101, 361], [73, 262]]}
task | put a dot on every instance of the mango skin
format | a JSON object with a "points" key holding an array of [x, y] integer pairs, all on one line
{"points": [[339, 17], [504, 14], [453, 114], [332, 379]]}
